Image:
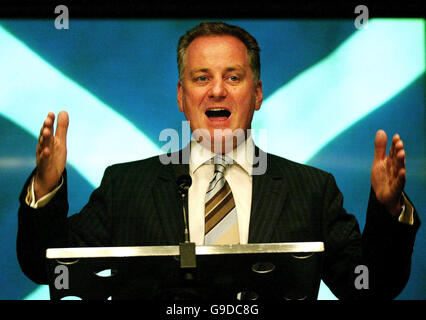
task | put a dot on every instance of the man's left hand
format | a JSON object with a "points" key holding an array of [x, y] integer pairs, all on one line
{"points": [[388, 174]]}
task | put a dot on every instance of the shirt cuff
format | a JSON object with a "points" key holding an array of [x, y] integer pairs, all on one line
{"points": [[407, 213], [43, 201]]}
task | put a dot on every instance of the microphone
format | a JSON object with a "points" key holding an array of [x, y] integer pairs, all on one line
{"points": [[184, 182]]}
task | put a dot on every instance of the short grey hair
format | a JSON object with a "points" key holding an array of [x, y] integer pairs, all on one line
{"points": [[220, 28]]}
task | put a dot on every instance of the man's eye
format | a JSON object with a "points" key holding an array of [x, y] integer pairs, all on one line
{"points": [[201, 78], [234, 78]]}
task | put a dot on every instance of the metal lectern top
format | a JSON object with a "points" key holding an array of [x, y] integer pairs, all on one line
{"points": [[143, 251], [227, 272]]}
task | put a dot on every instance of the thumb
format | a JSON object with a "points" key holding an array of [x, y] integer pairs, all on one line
{"points": [[62, 126], [380, 145]]}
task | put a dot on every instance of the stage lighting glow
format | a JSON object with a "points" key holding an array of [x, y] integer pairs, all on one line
{"points": [[363, 73], [31, 88]]}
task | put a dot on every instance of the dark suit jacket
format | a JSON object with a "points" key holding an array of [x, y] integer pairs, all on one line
{"points": [[137, 204]]}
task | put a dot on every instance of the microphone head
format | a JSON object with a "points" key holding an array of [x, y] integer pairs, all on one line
{"points": [[184, 182]]}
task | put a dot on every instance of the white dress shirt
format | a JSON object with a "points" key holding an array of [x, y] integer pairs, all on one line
{"points": [[238, 175]]}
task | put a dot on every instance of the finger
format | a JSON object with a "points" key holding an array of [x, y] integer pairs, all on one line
{"points": [[398, 153], [380, 142], [47, 137], [45, 144], [48, 122], [41, 140], [392, 150], [45, 152], [50, 116], [401, 178], [62, 126], [400, 159], [46, 132], [399, 145]]}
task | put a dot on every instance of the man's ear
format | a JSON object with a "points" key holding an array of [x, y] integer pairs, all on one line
{"points": [[179, 96], [259, 95]]}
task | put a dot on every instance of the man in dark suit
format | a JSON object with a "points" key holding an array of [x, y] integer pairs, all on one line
{"points": [[219, 89]]}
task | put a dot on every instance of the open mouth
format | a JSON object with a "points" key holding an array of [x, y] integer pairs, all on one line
{"points": [[218, 113]]}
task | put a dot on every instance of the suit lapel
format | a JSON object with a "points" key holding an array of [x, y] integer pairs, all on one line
{"points": [[268, 198], [167, 200]]}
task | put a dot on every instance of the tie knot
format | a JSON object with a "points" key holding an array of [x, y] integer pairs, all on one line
{"points": [[221, 163]]}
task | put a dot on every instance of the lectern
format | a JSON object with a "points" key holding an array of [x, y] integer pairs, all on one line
{"points": [[269, 271]]}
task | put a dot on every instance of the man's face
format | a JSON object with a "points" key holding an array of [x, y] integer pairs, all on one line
{"points": [[217, 89]]}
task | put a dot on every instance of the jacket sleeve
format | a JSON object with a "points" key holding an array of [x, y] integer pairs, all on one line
{"points": [[381, 256], [49, 227]]}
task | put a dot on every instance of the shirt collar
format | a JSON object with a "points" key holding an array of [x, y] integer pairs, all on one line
{"points": [[242, 155]]}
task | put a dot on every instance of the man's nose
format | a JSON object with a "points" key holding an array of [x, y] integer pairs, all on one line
{"points": [[218, 90]]}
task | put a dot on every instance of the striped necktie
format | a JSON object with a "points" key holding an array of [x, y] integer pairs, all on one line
{"points": [[221, 224]]}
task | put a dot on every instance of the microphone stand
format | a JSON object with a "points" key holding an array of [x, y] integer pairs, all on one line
{"points": [[188, 262]]}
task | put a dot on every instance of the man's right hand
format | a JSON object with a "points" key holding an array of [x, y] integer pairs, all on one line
{"points": [[51, 154]]}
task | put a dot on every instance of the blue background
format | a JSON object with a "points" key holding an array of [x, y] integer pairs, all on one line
{"points": [[131, 66]]}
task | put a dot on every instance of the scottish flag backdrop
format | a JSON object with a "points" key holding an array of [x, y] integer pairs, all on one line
{"points": [[328, 88]]}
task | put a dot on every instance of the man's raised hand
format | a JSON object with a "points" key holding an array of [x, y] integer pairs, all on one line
{"points": [[51, 154], [388, 174]]}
